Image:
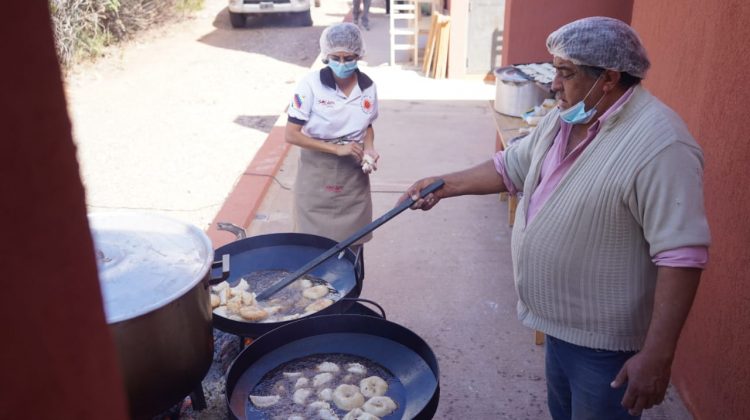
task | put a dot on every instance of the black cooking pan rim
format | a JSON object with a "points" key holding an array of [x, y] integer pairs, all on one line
{"points": [[332, 324], [253, 330]]}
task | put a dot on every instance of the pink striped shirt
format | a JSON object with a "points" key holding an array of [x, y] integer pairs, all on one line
{"points": [[556, 165]]}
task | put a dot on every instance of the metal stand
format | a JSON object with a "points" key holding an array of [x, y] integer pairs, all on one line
{"points": [[198, 398]]}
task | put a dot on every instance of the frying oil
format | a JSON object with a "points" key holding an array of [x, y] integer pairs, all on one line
{"points": [[276, 383]]}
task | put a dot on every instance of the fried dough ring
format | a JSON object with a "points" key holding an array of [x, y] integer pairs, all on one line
{"points": [[374, 386], [380, 406], [358, 414], [347, 397]]}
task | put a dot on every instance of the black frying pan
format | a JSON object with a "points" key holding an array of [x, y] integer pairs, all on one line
{"points": [[390, 345], [288, 251]]}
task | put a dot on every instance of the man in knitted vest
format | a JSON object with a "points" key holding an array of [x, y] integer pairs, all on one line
{"points": [[610, 236]]}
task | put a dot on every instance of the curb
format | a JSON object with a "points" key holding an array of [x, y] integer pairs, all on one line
{"points": [[247, 195]]}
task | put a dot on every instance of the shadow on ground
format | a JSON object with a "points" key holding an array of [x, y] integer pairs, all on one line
{"points": [[275, 36], [262, 123]]}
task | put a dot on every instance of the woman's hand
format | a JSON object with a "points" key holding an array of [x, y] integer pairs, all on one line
{"points": [[354, 149]]}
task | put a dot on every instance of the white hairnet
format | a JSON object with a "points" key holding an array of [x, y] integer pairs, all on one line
{"points": [[342, 37], [600, 42]]}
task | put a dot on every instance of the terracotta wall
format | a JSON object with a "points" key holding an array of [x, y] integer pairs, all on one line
{"points": [[57, 359], [528, 22], [698, 51]]}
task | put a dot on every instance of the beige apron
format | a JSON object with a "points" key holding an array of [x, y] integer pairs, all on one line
{"points": [[331, 196]]}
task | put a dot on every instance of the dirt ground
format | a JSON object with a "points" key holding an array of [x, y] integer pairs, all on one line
{"points": [[167, 122]]}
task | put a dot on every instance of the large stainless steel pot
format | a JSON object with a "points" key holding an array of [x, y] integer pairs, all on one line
{"points": [[154, 274], [515, 93]]}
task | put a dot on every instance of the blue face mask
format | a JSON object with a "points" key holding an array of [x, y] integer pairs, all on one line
{"points": [[342, 71], [577, 113]]}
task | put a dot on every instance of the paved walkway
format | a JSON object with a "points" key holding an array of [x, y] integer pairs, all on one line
{"points": [[445, 274]]}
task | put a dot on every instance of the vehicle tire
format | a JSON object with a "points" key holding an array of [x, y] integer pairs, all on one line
{"points": [[237, 19], [303, 18]]}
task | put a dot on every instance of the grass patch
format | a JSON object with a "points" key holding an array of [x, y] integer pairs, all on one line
{"points": [[84, 28]]}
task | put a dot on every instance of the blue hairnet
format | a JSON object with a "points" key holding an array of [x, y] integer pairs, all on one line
{"points": [[342, 37], [600, 42]]}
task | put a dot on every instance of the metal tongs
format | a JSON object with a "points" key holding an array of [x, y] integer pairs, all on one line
{"points": [[348, 241]]}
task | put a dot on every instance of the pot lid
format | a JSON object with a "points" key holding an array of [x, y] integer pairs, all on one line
{"points": [[146, 261]]}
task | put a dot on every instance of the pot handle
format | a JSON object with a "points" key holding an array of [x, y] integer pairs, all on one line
{"points": [[380, 308], [359, 265], [224, 271]]}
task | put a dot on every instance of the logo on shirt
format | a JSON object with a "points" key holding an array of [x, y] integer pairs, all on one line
{"points": [[367, 104], [297, 101], [326, 103]]}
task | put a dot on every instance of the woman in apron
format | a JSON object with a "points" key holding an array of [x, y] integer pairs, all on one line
{"points": [[330, 119]]}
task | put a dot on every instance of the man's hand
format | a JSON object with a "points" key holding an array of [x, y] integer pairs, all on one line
{"points": [[647, 378], [647, 373], [421, 203]]}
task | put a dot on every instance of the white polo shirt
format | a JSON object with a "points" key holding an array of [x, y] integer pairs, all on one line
{"points": [[327, 114]]}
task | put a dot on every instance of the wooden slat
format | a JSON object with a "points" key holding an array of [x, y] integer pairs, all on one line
{"points": [[442, 56], [429, 47]]}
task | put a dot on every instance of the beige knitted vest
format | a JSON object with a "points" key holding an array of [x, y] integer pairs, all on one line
{"points": [[582, 267]]}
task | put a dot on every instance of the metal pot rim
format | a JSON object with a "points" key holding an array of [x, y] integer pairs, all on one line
{"points": [[146, 261]]}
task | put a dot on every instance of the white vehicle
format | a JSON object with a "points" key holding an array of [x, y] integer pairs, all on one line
{"points": [[239, 10]]}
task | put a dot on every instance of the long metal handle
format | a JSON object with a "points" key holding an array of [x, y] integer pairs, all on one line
{"points": [[348, 241]]}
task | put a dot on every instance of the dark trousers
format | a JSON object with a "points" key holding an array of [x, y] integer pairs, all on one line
{"points": [[578, 381]]}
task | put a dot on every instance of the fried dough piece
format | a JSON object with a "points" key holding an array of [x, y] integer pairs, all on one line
{"points": [[318, 305], [322, 379], [356, 368], [328, 367], [315, 292], [326, 394], [358, 414], [347, 397], [374, 386], [253, 313], [263, 401], [300, 396], [215, 301], [380, 406]]}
